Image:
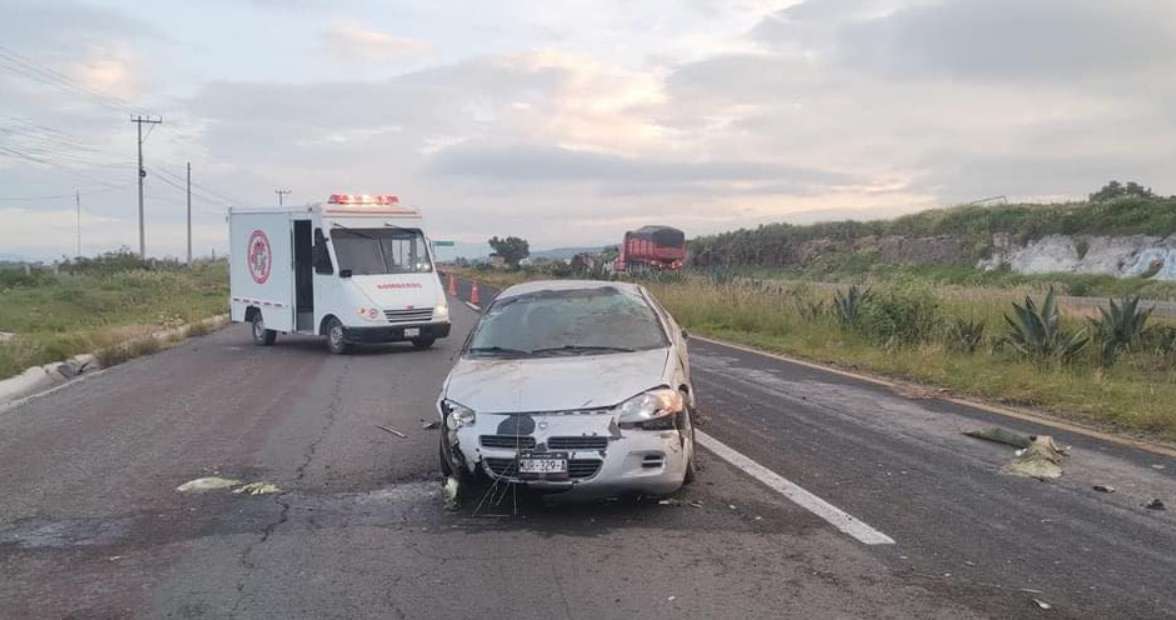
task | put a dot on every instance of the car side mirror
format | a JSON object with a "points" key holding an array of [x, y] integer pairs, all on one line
{"points": [[685, 335], [344, 273]]}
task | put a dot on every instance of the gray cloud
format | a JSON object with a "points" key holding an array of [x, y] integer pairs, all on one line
{"points": [[985, 39], [554, 164]]}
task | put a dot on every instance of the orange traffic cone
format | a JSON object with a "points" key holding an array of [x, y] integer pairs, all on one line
{"points": [[474, 295], [452, 285]]}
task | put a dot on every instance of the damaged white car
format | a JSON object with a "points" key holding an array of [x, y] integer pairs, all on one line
{"points": [[575, 386]]}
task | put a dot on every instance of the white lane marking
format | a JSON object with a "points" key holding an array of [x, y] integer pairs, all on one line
{"points": [[473, 307], [836, 517]]}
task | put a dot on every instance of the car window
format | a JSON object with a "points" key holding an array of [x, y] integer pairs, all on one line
{"points": [[578, 322]]}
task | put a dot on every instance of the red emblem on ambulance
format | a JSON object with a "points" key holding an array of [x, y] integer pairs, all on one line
{"points": [[260, 259]]}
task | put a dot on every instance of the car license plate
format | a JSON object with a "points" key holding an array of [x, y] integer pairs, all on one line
{"points": [[412, 332], [543, 466]]}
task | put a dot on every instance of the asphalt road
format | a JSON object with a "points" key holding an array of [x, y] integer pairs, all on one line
{"points": [[91, 524]]}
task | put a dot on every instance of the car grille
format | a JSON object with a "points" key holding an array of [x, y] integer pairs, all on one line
{"points": [[577, 468], [414, 315], [577, 443], [507, 441]]}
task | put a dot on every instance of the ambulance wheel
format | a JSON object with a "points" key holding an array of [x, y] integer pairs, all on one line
{"points": [[335, 341], [262, 337], [423, 343]]}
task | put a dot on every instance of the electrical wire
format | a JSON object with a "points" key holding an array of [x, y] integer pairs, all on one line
{"points": [[24, 66]]}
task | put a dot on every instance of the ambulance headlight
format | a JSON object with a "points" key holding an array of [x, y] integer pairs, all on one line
{"points": [[441, 312]]}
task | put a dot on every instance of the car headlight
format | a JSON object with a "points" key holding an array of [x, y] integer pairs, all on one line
{"points": [[441, 312], [651, 405], [457, 415]]}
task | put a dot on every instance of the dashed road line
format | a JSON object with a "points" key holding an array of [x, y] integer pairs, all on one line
{"points": [[835, 516]]}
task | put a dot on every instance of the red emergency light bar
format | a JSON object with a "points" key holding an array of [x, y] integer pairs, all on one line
{"points": [[363, 199]]}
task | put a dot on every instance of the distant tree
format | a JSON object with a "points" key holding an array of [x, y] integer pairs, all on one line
{"points": [[1115, 189], [511, 249]]}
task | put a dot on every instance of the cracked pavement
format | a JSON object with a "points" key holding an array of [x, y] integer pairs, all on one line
{"points": [[91, 525]]}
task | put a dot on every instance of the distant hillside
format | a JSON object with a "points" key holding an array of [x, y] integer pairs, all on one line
{"points": [[565, 253], [972, 235]]}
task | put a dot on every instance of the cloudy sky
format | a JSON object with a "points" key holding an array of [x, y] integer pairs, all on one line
{"points": [[570, 122]]}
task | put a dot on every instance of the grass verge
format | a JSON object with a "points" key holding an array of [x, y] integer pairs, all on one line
{"points": [[109, 311]]}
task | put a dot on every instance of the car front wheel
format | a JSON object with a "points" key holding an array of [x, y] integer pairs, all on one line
{"points": [[423, 343], [336, 343], [687, 428]]}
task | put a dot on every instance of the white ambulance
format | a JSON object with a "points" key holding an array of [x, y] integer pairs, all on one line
{"points": [[355, 269]]}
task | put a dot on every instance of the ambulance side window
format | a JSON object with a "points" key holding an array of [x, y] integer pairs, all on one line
{"points": [[322, 258]]}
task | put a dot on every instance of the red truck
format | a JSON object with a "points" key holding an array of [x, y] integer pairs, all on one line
{"points": [[652, 248]]}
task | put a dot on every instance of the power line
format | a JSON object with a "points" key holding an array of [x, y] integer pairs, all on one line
{"points": [[24, 66], [88, 190], [176, 182], [16, 153]]}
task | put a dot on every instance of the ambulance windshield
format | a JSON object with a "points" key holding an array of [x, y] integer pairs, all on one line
{"points": [[372, 251]]}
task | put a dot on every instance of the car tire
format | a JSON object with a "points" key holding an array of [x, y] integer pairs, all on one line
{"points": [[423, 343], [336, 342], [262, 337], [691, 469], [464, 481]]}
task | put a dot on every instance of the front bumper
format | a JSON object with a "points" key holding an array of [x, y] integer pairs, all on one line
{"points": [[603, 459], [394, 333]]}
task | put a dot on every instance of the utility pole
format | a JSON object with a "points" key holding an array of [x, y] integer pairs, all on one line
{"points": [[281, 193], [139, 121], [78, 202], [189, 214]]}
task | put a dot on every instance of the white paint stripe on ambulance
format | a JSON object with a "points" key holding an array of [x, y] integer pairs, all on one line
{"points": [[836, 517]]}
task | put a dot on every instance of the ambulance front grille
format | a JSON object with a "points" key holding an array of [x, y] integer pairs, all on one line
{"points": [[412, 315]]}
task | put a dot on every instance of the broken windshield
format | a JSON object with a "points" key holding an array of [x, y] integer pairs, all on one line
{"points": [[590, 321], [371, 251]]}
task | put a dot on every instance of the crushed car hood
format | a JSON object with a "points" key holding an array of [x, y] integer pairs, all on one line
{"points": [[554, 383]]}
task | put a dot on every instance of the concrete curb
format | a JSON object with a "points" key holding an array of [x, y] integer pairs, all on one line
{"points": [[38, 379]]}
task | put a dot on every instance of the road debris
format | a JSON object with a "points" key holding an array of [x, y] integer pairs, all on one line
{"points": [[1155, 504], [1041, 460], [258, 488], [1104, 488], [1042, 604], [450, 491], [1001, 435], [428, 426], [212, 483], [695, 504], [669, 502], [392, 430]]}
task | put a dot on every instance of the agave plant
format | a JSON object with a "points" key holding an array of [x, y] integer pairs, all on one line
{"points": [[965, 335], [811, 310], [1037, 332], [1119, 328], [848, 306]]}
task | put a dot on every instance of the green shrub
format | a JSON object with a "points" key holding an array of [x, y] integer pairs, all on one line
{"points": [[900, 318], [1037, 333]]}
